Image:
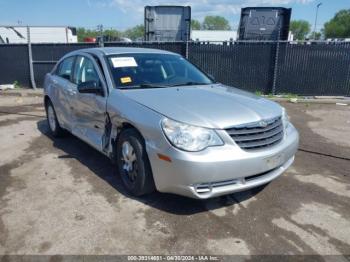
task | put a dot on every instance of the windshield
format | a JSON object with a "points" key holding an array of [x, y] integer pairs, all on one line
{"points": [[154, 70]]}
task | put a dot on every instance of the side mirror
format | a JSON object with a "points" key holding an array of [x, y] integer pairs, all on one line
{"points": [[89, 87]]}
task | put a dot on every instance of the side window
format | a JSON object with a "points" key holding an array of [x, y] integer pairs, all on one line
{"points": [[84, 71], [65, 68]]}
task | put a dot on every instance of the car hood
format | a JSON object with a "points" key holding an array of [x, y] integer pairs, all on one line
{"points": [[212, 106]]}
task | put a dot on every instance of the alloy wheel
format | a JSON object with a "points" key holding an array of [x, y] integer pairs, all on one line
{"points": [[129, 160]]}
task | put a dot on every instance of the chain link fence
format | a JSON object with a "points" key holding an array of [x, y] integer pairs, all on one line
{"points": [[319, 68], [304, 68], [247, 65]]}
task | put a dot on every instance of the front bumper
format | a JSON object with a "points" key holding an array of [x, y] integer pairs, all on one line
{"points": [[221, 170]]}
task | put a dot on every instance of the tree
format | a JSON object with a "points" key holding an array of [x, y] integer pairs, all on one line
{"points": [[215, 23], [339, 25], [83, 33], [111, 35], [300, 29], [195, 24], [136, 32], [317, 35]]}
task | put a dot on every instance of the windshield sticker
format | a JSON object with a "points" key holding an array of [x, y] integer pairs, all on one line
{"points": [[125, 80], [123, 62]]}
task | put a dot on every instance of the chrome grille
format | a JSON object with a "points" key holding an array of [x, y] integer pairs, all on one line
{"points": [[258, 135]]}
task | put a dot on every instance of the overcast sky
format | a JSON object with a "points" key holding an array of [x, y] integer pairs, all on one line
{"points": [[121, 14]]}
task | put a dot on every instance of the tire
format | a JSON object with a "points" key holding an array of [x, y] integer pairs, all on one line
{"points": [[52, 121], [133, 163]]}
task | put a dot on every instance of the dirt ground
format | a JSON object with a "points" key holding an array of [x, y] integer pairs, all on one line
{"points": [[59, 196]]}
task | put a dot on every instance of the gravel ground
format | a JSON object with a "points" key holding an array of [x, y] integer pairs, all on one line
{"points": [[59, 196]]}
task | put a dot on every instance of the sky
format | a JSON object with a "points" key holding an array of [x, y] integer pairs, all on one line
{"points": [[123, 14]]}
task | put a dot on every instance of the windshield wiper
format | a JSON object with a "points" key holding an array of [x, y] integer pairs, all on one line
{"points": [[141, 86], [191, 84], [152, 86]]}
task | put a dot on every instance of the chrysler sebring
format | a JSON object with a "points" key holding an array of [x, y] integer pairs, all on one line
{"points": [[167, 125]]}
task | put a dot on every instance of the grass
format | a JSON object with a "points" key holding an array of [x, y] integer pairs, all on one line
{"points": [[259, 93], [289, 96], [283, 95], [16, 84]]}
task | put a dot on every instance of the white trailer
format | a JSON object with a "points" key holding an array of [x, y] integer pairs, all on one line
{"points": [[38, 34], [213, 35]]}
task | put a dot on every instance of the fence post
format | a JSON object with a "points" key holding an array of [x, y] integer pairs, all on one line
{"points": [[30, 60], [186, 47], [188, 32], [275, 69]]}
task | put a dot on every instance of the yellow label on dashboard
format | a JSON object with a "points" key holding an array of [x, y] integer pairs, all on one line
{"points": [[125, 80]]}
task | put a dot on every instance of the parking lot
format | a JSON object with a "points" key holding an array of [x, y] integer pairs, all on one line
{"points": [[59, 196]]}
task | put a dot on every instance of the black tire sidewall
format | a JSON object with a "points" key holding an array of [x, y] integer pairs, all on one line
{"points": [[143, 183]]}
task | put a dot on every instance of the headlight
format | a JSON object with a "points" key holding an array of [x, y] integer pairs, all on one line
{"points": [[189, 138], [285, 118]]}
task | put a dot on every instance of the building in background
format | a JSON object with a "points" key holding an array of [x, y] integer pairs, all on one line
{"points": [[213, 35], [38, 34], [167, 23]]}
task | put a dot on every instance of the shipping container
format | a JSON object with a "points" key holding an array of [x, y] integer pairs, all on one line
{"points": [[167, 23], [264, 23]]}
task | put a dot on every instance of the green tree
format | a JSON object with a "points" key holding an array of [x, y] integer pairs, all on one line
{"points": [[215, 23], [83, 33], [195, 24], [300, 29], [317, 35], [135, 32], [339, 25], [111, 35]]}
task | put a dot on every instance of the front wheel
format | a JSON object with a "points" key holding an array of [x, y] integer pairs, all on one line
{"points": [[133, 163]]}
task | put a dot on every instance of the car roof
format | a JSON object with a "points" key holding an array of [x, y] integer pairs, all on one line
{"points": [[124, 50]]}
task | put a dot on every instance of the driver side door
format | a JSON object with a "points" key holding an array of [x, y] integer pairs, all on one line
{"points": [[89, 109]]}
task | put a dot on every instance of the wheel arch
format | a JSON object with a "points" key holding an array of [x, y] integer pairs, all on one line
{"points": [[150, 183], [124, 126], [117, 130]]}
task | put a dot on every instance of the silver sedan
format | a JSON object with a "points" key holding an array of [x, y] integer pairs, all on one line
{"points": [[166, 124]]}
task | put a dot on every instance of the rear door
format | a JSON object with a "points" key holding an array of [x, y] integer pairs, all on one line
{"points": [[89, 109], [62, 82]]}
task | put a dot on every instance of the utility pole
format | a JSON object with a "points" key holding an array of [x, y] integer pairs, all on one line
{"points": [[317, 7], [100, 29], [30, 59]]}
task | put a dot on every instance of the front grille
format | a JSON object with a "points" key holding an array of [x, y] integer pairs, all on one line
{"points": [[208, 187], [258, 135]]}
